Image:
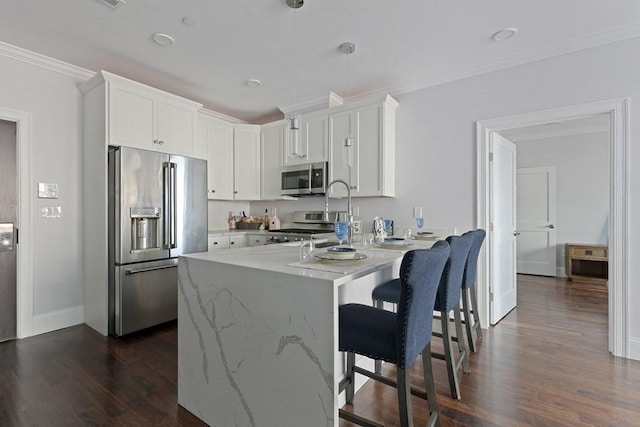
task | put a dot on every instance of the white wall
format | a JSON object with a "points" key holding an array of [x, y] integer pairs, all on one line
{"points": [[435, 155], [55, 104], [582, 185]]}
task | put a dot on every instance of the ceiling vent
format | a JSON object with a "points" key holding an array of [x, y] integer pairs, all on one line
{"points": [[113, 4]]}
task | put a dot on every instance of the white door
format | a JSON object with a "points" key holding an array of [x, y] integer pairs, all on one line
{"points": [[536, 218], [502, 262]]}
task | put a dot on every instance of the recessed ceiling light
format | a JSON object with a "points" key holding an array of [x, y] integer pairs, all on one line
{"points": [[189, 21], [162, 39], [504, 34], [252, 83]]}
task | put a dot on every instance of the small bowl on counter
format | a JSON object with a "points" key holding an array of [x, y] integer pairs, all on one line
{"points": [[341, 252]]}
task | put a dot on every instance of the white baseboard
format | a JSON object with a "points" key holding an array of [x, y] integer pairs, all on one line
{"points": [[60, 319], [634, 349]]}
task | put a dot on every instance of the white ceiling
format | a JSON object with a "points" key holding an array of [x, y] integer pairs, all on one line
{"points": [[401, 45]]}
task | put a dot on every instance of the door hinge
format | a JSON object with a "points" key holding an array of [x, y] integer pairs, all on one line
{"points": [[490, 226], [491, 296], [491, 157]]}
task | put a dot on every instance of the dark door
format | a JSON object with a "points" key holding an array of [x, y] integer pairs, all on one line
{"points": [[8, 230]]}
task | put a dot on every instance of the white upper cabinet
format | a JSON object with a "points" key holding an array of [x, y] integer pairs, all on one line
{"points": [[271, 147], [371, 128], [219, 141], [313, 142], [246, 162], [233, 159], [143, 117]]}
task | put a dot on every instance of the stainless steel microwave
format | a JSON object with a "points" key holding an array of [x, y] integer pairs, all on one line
{"points": [[305, 180]]}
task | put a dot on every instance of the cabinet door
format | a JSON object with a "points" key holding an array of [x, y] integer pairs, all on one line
{"points": [[341, 126], [131, 117], [218, 242], [238, 241], [176, 127], [256, 239], [247, 162], [272, 136], [220, 161], [313, 144], [370, 165]]}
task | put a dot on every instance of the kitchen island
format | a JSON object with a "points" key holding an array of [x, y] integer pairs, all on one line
{"points": [[258, 333]]}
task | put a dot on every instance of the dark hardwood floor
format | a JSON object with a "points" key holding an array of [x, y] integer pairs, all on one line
{"points": [[545, 364]]}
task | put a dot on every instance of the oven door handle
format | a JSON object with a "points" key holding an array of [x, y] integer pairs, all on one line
{"points": [[310, 178]]}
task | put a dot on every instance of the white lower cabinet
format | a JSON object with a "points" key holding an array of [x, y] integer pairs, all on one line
{"points": [[218, 242], [256, 239], [235, 240], [238, 241]]}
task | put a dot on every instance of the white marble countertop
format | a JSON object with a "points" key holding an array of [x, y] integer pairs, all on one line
{"points": [[284, 258]]}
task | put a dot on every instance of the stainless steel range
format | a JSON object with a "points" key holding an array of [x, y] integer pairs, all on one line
{"points": [[306, 225]]}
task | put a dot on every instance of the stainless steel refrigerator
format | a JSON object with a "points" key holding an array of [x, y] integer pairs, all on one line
{"points": [[157, 211]]}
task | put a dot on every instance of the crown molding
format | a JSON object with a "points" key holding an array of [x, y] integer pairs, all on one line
{"points": [[556, 49], [220, 116], [313, 104], [43, 61]]}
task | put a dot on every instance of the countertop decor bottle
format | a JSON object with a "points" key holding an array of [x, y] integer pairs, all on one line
{"points": [[274, 223], [231, 221], [265, 220]]}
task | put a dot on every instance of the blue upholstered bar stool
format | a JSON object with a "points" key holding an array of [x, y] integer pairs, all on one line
{"points": [[399, 337], [469, 297], [447, 300]]}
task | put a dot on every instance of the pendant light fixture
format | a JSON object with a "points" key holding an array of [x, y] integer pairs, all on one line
{"points": [[348, 48], [294, 124]]}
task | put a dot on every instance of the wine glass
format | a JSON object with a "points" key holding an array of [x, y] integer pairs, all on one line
{"points": [[417, 214], [341, 226]]}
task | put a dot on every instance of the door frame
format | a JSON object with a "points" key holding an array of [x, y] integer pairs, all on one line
{"points": [[24, 281], [618, 287]]}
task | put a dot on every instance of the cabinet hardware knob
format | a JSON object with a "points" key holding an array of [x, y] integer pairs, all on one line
{"points": [[161, 142], [235, 192], [155, 141], [212, 191], [550, 226], [215, 243], [516, 233]]}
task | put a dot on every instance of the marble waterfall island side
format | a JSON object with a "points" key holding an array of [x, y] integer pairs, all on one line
{"points": [[258, 338]]}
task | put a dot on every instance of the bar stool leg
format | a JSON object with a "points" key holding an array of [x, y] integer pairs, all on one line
{"points": [[351, 375], [469, 323], [476, 316], [427, 372], [462, 348], [448, 356], [404, 398], [378, 363]]}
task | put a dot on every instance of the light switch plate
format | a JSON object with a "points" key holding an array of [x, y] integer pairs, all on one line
{"points": [[47, 190]]}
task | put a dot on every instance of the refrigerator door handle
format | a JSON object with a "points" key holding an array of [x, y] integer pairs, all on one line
{"points": [[144, 270], [174, 199], [166, 223]]}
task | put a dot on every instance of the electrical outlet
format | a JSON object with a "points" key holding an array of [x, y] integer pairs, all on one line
{"points": [[357, 227]]}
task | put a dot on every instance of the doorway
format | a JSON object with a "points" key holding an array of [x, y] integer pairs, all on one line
{"points": [[24, 250], [8, 230], [617, 111]]}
